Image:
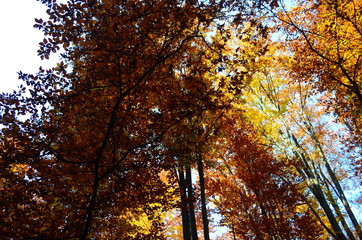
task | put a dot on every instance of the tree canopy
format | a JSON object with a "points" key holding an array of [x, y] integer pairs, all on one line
{"points": [[161, 114]]}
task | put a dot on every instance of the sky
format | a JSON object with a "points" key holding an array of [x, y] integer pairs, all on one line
{"points": [[19, 40]]}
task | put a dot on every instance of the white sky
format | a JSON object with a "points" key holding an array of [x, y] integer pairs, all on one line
{"points": [[19, 40]]}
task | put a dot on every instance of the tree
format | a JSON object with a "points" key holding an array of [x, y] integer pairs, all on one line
{"points": [[293, 121], [255, 193], [90, 147], [327, 54]]}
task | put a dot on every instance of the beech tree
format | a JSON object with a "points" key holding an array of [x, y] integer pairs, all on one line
{"points": [[89, 148], [327, 52], [327, 56], [290, 118], [256, 194]]}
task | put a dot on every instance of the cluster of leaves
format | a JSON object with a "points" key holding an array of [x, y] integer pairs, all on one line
{"points": [[328, 52], [92, 135], [255, 193]]}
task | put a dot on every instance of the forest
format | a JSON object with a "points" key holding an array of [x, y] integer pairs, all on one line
{"points": [[187, 119]]}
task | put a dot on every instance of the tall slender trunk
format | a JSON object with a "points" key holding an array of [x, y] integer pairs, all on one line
{"points": [[315, 186], [337, 186], [190, 201], [318, 193], [189, 228], [184, 206], [205, 220]]}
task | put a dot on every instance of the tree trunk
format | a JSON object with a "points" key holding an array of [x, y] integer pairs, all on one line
{"points": [[184, 206], [191, 208], [203, 198]]}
